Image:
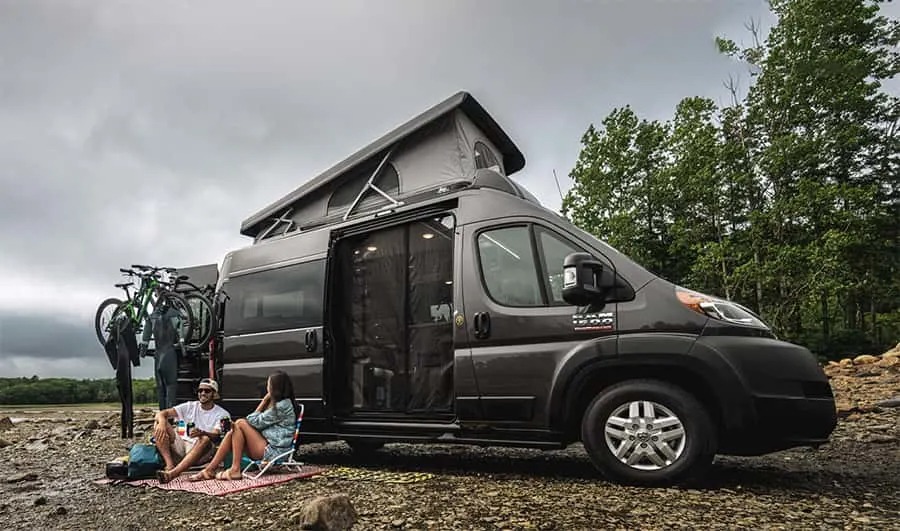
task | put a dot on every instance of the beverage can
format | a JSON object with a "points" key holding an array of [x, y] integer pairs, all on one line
{"points": [[225, 424]]}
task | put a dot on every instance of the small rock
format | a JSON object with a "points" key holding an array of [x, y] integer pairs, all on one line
{"points": [[878, 438], [864, 359], [4, 443], [60, 511], [37, 446], [40, 500], [398, 522], [29, 476], [846, 362], [891, 402], [889, 362], [92, 425], [5, 423], [327, 513]]}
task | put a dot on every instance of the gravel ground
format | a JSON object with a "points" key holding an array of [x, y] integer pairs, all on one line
{"points": [[852, 482]]}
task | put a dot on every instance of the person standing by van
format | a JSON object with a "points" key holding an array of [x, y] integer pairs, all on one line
{"points": [[164, 323]]}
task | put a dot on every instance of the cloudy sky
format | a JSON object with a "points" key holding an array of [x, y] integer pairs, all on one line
{"points": [[145, 132]]}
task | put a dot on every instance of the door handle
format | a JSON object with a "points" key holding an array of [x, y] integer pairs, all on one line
{"points": [[482, 325], [311, 340]]}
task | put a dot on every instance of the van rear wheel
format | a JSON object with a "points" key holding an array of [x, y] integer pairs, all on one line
{"points": [[648, 432]]}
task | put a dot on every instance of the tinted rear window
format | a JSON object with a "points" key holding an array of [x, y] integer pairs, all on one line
{"points": [[277, 299]]}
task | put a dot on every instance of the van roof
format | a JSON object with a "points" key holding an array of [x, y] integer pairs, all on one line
{"points": [[513, 159]]}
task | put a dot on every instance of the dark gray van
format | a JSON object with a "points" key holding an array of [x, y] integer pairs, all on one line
{"points": [[415, 293]]}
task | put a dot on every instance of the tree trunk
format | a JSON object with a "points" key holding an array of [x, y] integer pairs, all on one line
{"points": [[759, 296], [826, 331], [874, 313]]}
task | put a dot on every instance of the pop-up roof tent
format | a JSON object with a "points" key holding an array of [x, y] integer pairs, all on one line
{"points": [[444, 145]]}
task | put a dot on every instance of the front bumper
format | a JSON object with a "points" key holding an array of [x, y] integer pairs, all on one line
{"points": [[787, 422], [785, 398]]}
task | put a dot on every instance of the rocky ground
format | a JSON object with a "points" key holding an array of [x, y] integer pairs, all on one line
{"points": [[50, 458]]}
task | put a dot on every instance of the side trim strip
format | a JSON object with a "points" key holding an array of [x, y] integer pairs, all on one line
{"points": [[270, 364]]}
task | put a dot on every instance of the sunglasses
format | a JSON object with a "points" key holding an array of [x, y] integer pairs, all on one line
{"points": [[204, 391]]}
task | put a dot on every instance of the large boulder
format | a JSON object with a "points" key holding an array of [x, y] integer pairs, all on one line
{"points": [[5, 423], [327, 513]]}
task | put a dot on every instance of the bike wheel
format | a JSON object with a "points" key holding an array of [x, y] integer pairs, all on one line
{"points": [[106, 314], [202, 312], [180, 304]]}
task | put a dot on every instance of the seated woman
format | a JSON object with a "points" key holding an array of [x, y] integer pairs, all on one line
{"points": [[264, 434]]}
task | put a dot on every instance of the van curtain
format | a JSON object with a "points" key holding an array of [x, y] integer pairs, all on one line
{"points": [[401, 355], [430, 323]]}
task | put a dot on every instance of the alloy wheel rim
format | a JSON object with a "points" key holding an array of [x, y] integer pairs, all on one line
{"points": [[645, 435]]}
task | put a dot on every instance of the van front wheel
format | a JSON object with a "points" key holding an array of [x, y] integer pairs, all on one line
{"points": [[648, 432]]}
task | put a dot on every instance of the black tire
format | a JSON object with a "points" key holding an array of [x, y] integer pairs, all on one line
{"points": [[102, 328], [203, 319], [697, 448], [180, 304]]}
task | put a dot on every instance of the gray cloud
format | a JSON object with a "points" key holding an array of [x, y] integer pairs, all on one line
{"points": [[146, 132], [49, 345], [56, 339]]}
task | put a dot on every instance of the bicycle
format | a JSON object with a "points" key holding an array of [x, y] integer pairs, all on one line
{"points": [[201, 306], [136, 307]]}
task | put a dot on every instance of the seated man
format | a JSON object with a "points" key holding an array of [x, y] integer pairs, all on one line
{"points": [[182, 450]]}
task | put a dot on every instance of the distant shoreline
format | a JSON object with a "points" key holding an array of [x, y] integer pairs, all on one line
{"points": [[91, 406]]}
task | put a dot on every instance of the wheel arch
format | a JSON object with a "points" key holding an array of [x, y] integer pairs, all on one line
{"points": [[600, 376], [701, 372]]}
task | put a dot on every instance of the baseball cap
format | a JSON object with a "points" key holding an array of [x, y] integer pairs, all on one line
{"points": [[208, 383]]}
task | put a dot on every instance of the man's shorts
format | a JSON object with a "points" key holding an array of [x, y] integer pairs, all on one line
{"points": [[181, 447]]}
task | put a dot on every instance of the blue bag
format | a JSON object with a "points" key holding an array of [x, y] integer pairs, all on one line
{"points": [[143, 461]]}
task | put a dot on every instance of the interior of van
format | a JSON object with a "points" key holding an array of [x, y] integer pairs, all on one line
{"points": [[393, 311]]}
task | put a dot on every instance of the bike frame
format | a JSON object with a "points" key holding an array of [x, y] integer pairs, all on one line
{"points": [[136, 307]]}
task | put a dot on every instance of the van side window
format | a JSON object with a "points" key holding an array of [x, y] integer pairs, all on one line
{"points": [[278, 299], [517, 272], [508, 266], [553, 251]]}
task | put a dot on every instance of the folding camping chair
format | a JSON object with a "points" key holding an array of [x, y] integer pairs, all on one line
{"points": [[280, 460]]}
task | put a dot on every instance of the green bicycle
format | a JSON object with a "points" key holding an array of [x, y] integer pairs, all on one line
{"points": [[151, 293]]}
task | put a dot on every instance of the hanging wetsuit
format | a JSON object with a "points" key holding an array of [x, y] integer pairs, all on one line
{"points": [[165, 325]]}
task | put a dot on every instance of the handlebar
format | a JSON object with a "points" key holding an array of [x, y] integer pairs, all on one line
{"points": [[145, 271]]}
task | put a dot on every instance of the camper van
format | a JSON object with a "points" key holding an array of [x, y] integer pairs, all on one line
{"points": [[416, 293]]}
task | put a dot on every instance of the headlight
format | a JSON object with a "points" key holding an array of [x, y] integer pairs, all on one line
{"points": [[720, 309]]}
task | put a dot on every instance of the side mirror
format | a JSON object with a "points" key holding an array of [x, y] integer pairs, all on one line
{"points": [[585, 280]]}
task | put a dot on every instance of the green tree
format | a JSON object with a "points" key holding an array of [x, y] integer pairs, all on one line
{"points": [[787, 199], [824, 137], [621, 188]]}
